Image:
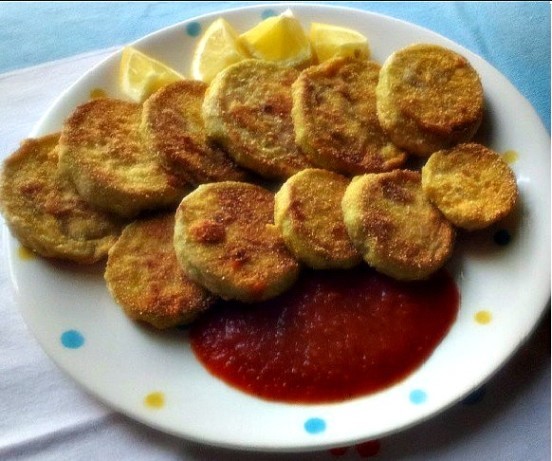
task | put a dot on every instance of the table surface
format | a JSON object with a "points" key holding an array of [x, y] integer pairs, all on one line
{"points": [[46, 46]]}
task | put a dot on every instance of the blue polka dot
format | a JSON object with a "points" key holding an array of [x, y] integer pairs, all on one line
{"points": [[268, 14], [193, 29], [418, 396], [315, 425], [72, 339]]}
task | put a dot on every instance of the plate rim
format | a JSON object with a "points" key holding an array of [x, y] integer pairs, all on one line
{"points": [[104, 62]]}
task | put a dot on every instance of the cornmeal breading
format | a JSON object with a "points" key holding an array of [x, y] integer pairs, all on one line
{"points": [[69, 195], [146, 280], [44, 211], [471, 185], [226, 241], [308, 215], [428, 98], [247, 110], [101, 150], [173, 130], [395, 227], [335, 118]]}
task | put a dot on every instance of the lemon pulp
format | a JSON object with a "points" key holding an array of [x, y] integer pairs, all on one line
{"points": [[330, 41], [141, 75], [279, 39], [217, 49]]}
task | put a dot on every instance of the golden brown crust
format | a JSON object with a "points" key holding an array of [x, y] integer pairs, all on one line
{"points": [[146, 280], [101, 150], [429, 98], [44, 211], [391, 222], [174, 131], [308, 215], [471, 185], [226, 241], [335, 118], [247, 110]]}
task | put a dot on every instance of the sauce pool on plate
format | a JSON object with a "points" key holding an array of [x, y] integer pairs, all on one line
{"points": [[334, 336]]}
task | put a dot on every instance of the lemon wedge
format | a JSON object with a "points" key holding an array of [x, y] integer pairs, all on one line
{"points": [[141, 75], [279, 39], [217, 49], [330, 41]]}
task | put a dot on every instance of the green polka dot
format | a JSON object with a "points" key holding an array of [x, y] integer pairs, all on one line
{"points": [[193, 29]]}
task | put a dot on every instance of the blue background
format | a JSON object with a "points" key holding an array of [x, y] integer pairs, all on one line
{"points": [[513, 36]]}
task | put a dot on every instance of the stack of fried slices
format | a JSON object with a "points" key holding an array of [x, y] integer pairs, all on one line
{"points": [[225, 191]]}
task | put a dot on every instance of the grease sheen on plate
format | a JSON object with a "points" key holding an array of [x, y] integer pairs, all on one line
{"points": [[156, 379]]}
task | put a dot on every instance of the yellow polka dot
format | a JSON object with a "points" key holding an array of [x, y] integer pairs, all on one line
{"points": [[98, 93], [155, 400], [483, 317], [25, 253], [510, 156]]}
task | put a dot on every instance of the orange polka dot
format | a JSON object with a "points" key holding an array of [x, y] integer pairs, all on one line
{"points": [[155, 400], [483, 317], [98, 93], [510, 156]]}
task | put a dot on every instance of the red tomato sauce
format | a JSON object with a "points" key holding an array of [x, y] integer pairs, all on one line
{"points": [[335, 335]]}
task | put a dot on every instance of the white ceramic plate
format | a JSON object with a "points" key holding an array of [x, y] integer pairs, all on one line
{"points": [[87, 335]]}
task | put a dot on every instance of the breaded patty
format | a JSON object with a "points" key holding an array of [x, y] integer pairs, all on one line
{"points": [[173, 130], [101, 150], [471, 185], [308, 215], [395, 227], [429, 98], [44, 211], [146, 280], [247, 110], [335, 118], [226, 241]]}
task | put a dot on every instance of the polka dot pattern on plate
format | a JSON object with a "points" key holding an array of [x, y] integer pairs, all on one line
{"points": [[82, 343], [418, 396], [155, 400], [483, 317], [72, 339], [510, 156], [315, 425], [97, 93], [193, 29]]}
